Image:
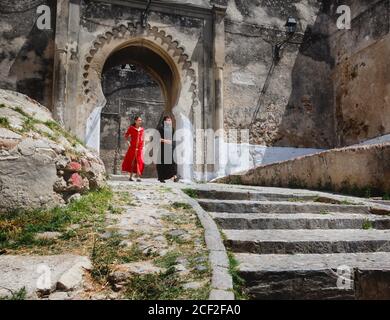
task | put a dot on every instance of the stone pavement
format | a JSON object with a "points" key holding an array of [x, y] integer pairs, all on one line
{"points": [[52, 276], [153, 221], [150, 196]]}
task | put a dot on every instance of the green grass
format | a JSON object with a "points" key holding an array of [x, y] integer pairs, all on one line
{"points": [[4, 123], [168, 261], [238, 282], [21, 111], [28, 124], [347, 203], [17, 229], [104, 254], [367, 225], [181, 205], [176, 239], [18, 295], [163, 286], [107, 252], [2, 105], [386, 196], [165, 189], [234, 180], [125, 198], [297, 200], [324, 212], [115, 210], [54, 126], [192, 193]]}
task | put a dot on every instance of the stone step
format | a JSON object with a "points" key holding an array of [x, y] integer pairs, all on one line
{"points": [[259, 196], [316, 276], [244, 206], [262, 221], [307, 241]]}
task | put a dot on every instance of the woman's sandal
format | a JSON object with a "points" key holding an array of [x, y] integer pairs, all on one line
{"points": [[131, 179]]}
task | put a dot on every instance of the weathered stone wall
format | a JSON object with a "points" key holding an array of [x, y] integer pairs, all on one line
{"points": [[26, 53], [362, 73], [297, 109], [353, 170], [329, 89]]}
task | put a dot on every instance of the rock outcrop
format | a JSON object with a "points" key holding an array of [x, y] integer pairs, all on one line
{"points": [[41, 164]]}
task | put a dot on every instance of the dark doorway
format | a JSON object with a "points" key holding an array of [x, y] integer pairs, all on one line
{"points": [[130, 91]]}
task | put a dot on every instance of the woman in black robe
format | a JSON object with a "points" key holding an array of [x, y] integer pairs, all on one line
{"points": [[166, 166]]}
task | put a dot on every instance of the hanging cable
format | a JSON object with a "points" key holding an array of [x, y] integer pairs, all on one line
{"points": [[145, 14], [276, 49]]}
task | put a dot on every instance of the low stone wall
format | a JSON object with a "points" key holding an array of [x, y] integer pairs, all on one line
{"points": [[359, 170]]}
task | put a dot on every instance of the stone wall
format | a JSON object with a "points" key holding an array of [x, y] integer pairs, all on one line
{"points": [[26, 53], [296, 109], [330, 87], [359, 170], [362, 73]]}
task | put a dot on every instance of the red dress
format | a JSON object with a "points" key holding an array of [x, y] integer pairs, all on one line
{"points": [[134, 159]]}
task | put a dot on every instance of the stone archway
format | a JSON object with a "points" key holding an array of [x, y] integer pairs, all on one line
{"points": [[180, 92]]}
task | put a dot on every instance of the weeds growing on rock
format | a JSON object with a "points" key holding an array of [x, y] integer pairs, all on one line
{"points": [[54, 126], [238, 281], [17, 295], [162, 286], [181, 205], [367, 225], [104, 254], [4, 123], [191, 193], [28, 125], [169, 260], [165, 189], [22, 112], [18, 229]]}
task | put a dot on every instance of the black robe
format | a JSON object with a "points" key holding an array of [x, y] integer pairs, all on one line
{"points": [[166, 166]]}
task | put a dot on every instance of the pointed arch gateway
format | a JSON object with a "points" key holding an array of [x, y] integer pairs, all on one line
{"points": [[162, 57]]}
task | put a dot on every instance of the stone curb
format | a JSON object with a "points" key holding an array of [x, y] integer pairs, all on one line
{"points": [[221, 282]]}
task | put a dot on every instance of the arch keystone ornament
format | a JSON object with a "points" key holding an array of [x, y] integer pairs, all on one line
{"points": [[181, 95]]}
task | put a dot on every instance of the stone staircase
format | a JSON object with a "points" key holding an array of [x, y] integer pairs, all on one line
{"points": [[300, 246]]}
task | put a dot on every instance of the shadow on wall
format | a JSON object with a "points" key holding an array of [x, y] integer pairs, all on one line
{"points": [[308, 121], [32, 69]]}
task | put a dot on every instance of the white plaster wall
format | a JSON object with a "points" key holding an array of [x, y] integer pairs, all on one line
{"points": [[242, 157], [377, 140]]}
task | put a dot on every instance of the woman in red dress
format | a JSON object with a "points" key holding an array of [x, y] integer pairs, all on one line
{"points": [[134, 159]]}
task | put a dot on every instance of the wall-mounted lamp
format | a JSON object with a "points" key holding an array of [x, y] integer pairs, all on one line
{"points": [[291, 28], [291, 25]]}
